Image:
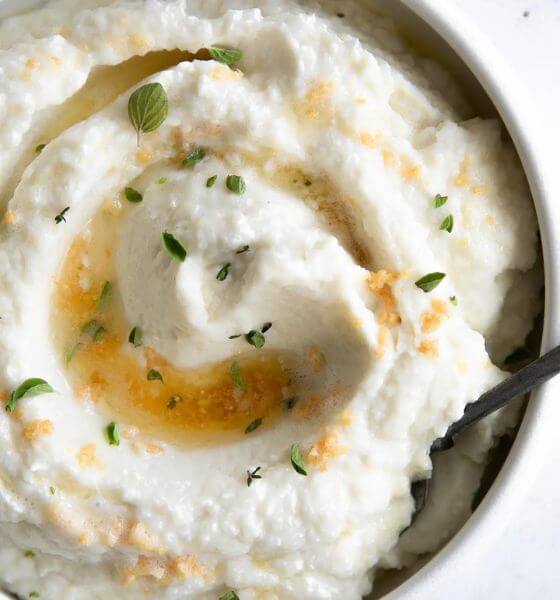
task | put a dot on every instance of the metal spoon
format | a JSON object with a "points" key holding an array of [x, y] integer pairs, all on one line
{"points": [[525, 380]]}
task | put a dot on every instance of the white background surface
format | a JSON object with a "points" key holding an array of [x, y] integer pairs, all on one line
{"points": [[525, 561]]}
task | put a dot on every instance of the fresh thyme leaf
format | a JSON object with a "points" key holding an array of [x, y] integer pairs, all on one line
{"points": [[252, 475], [297, 460], [69, 353], [136, 337], [29, 554], [447, 224], [61, 216], [234, 337], [161, 180], [211, 181], [254, 425], [430, 282], [237, 377], [290, 403], [227, 56], [154, 375], [112, 434], [30, 387], [231, 595], [453, 300], [440, 200], [193, 157], [223, 272], [173, 246], [39, 148], [173, 401], [105, 297], [255, 338], [236, 184], [94, 330], [133, 195], [266, 327], [52, 490], [243, 249], [148, 108]]}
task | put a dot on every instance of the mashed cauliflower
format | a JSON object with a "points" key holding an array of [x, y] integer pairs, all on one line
{"points": [[229, 335]]}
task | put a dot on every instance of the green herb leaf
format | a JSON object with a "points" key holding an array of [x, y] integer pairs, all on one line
{"points": [[211, 181], [252, 475], [236, 184], [174, 247], [231, 595], [297, 460], [148, 108], [223, 272], [174, 400], [234, 337], [227, 56], [133, 195], [255, 338], [61, 216], [30, 387], [440, 200], [453, 300], [105, 297], [193, 157], [52, 490], [243, 249], [40, 148], [447, 224], [430, 282], [34, 595], [237, 377], [266, 327], [94, 330], [254, 425], [29, 554], [161, 180], [154, 375], [70, 351], [112, 434], [136, 337]]}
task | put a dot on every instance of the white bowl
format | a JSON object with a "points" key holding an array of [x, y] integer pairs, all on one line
{"points": [[442, 28]]}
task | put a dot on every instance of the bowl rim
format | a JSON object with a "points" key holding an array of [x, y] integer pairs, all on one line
{"points": [[529, 450]]}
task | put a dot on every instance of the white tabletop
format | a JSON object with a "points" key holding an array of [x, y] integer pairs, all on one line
{"points": [[524, 562]]}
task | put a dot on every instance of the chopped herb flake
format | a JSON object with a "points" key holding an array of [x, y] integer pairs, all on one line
{"points": [[30, 387], [252, 475], [133, 195], [105, 296], [34, 595], [112, 434], [236, 184], [173, 246], [243, 249], [237, 377], [297, 460], [61, 216], [161, 180], [430, 282], [136, 337], [227, 56], [440, 200], [70, 351], [193, 157], [173, 401], [234, 337], [52, 491], [447, 224], [148, 107], [211, 181], [154, 375], [289, 403], [453, 300], [29, 554], [254, 425], [40, 148], [223, 272], [266, 327], [94, 330], [255, 338]]}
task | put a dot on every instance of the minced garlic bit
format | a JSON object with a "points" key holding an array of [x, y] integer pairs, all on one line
{"points": [[9, 217], [381, 284], [383, 338], [87, 456], [36, 429], [370, 140], [429, 348], [316, 102], [316, 358], [433, 319], [326, 450]]}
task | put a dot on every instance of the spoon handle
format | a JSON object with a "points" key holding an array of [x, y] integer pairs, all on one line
{"points": [[526, 379]]}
